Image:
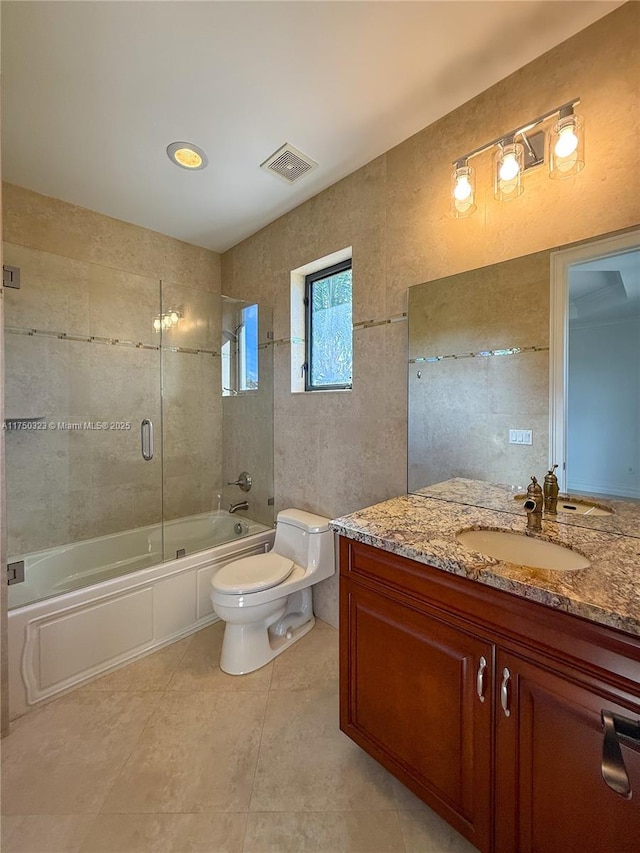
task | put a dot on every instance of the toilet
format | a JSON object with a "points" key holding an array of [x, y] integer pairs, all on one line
{"points": [[265, 600]]}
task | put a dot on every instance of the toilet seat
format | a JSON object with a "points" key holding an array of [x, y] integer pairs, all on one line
{"points": [[252, 574]]}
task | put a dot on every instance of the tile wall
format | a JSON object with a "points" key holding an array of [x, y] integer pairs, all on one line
{"points": [[84, 274]]}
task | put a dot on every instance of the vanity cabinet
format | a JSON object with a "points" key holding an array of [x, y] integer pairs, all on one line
{"points": [[550, 794], [488, 706]]}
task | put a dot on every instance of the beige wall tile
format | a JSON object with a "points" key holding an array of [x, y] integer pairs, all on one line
{"points": [[64, 229]]}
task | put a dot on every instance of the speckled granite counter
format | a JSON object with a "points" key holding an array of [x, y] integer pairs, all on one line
{"points": [[424, 529], [624, 519]]}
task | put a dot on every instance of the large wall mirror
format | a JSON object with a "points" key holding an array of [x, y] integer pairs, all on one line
{"points": [[528, 362]]}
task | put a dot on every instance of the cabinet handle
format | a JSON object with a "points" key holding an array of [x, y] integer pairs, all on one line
{"points": [[480, 678], [614, 772], [504, 692]]}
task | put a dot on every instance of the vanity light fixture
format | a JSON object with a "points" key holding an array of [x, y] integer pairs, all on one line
{"points": [[187, 156], [508, 169], [463, 190], [566, 144], [519, 150]]}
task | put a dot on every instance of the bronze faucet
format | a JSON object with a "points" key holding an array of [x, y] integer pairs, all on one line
{"points": [[533, 505], [551, 492]]}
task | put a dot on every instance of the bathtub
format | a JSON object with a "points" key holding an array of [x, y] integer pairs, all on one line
{"points": [[88, 608]]}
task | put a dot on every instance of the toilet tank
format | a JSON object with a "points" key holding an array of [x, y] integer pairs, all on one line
{"points": [[306, 539]]}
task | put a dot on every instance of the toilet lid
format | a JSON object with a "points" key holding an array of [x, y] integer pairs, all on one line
{"points": [[252, 574]]}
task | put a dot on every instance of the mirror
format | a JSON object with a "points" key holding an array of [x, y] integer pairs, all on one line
{"points": [[479, 381]]}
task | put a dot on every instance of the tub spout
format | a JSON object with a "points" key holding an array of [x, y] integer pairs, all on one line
{"points": [[240, 505]]}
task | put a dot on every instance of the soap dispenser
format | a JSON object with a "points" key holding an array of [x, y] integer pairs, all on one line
{"points": [[551, 492]]}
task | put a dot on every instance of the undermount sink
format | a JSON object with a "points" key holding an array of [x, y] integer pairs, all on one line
{"points": [[573, 507], [522, 550]]}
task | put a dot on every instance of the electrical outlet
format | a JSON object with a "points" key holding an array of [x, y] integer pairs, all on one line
{"points": [[520, 436]]}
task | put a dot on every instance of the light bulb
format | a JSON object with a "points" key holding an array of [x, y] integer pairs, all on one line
{"points": [[463, 188], [157, 324], [174, 317], [567, 141], [509, 167]]}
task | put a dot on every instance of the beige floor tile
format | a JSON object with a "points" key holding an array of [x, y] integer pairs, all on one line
{"points": [[425, 832], [310, 662], [307, 764], [63, 758], [166, 833], [151, 673], [199, 669], [324, 832], [44, 833], [197, 754]]}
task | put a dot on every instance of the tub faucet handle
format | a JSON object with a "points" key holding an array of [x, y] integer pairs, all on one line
{"points": [[244, 481]]}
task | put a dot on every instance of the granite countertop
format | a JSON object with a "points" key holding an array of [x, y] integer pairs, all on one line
{"points": [[424, 529], [624, 519]]}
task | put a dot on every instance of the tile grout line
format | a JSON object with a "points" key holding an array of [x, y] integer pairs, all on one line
{"points": [[255, 771], [162, 694], [153, 712]]}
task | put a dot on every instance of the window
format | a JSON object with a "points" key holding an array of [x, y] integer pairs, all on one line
{"points": [[328, 334], [239, 351]]}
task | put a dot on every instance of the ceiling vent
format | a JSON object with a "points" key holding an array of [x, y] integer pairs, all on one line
{"points": [[289, 164]]}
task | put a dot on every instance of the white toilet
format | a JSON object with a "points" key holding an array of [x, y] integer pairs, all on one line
{"points": [[265, 600]]}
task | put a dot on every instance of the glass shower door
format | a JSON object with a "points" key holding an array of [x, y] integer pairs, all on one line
{"points": [[84, 476]]}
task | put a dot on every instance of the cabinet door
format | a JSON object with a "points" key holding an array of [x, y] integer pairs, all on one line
{"points": [[417, 696], [550, 794]]}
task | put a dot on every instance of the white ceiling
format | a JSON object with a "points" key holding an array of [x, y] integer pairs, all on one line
{"points": [[93, 92]]}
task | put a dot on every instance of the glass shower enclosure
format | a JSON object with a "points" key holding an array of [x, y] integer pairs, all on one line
{"points": [[132, 405]]}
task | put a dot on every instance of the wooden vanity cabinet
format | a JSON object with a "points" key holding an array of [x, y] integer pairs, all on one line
{"points": [[487, 706], [550, 795]]}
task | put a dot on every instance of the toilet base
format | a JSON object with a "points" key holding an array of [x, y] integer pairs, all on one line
{"points": [[246, 648]]}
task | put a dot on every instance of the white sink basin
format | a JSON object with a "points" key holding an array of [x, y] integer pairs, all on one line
{"points": [[522, 550]]}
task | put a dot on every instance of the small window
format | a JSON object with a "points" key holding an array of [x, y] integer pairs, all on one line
{"points": [[329, 337], [239, 350]]}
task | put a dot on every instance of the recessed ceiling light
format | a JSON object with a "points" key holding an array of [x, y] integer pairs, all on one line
{"points": [[187, 155]]}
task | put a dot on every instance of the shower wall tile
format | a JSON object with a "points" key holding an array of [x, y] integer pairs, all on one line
{"points": [[85, 274], [73, 232], [79, 298], [192, 446], [199, 324]]}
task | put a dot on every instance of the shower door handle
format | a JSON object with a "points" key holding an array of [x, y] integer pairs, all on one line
{"points": [[146, 439]]}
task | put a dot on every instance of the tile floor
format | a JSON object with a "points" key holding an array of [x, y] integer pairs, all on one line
{"points": [[170, 754]]}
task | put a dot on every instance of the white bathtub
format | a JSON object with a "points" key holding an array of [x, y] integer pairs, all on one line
{"points": [[88, 608], [68, 567]]}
